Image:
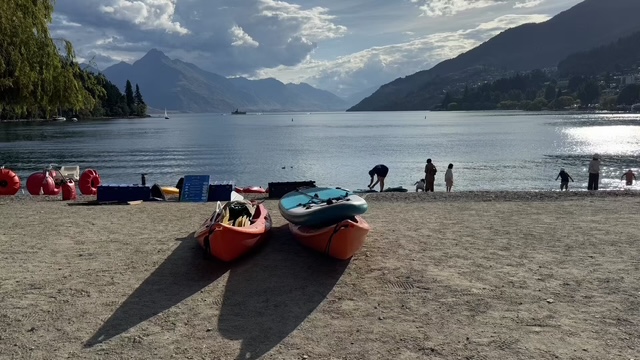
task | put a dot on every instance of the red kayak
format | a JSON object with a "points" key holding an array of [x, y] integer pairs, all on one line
{"points": [[250, 190], [234, 229]]}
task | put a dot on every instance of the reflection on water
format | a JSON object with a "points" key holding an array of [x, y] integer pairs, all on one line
{"points": [[489, 150], [617, 140]]}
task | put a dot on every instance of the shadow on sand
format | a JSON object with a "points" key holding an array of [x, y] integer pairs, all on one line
{"points": [[269, 295], [182, 274]]}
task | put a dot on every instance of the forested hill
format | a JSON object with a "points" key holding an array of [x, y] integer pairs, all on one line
{"points": [[619, 56], [587, 25]]}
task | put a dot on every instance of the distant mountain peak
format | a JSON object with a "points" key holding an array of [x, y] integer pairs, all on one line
{"points": [[154, 55], [183, 86]]}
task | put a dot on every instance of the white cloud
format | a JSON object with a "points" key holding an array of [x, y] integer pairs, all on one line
{"points": [[241, 38], [148, 14], [435, 8], [382, 64], [342, 45], [315, 23], [528, 4]]}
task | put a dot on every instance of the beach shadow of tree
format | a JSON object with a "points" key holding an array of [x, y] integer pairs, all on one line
{"points": [[182, 274], [268, 297]]}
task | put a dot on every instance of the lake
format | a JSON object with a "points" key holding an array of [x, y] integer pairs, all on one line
{"points": [[489, 150]]}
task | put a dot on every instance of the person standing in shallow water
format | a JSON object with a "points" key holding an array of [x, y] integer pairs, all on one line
{"points": [[594, 173], [564, 180], [380, 171], [430, 175], [630, 176], [448, 177]]}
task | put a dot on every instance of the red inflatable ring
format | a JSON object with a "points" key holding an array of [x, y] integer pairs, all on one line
{"points": [[43, 182], [89, 182], [9, 182]]}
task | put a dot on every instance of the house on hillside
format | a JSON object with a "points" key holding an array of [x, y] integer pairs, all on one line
{"points": [[629, 80]]}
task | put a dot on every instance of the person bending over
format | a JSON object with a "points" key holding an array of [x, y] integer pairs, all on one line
{"points": [[380, 171], [564, 179]]}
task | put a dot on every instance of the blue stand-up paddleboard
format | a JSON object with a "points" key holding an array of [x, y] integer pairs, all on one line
{"points": [[319, 206]]}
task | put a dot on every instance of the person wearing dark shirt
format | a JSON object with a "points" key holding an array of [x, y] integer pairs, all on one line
{"points": [[630, 176], [430, 171], [564, 180], [380, 171]]}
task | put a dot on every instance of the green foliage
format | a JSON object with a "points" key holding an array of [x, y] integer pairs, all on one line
{"points": [[446, 101], [509, 105], [563, 102], [453, 106], [589, 92], [128, 94], [516, 92], [550, 93], [537, 105], [39, 76], [629, 95], [609, 103], [141, 107]]}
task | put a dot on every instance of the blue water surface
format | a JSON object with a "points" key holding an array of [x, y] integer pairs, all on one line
{"points": [[489, 150]]}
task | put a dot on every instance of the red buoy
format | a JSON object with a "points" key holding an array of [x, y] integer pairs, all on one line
{"points": [[43, 182], [69, 190], [89, 182], [9, 182]]}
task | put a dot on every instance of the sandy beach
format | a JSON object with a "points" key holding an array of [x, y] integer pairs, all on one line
{"points": [[527, 275]]}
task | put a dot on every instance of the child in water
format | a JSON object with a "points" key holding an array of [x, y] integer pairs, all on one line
{"points": [[630, 177], [564, 179], [448, 177]]}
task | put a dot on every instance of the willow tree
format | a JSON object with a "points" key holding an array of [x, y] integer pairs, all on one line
{"points": [[38, 74]]}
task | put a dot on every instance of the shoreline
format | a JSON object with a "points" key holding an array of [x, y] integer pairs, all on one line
{"points": [[79, 119], [399, 197]]}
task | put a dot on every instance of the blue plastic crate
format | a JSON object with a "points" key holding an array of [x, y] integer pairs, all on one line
{"points": [[123, 193], [220, 191]]}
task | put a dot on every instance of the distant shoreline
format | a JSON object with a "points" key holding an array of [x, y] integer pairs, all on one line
{"points": [[79, 119]]}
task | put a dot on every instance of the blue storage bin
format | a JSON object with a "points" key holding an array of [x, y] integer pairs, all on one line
{"points": [[123, 193]]}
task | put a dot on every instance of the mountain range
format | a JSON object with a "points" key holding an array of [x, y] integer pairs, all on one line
{"points": [[587, 25], [180, 86]]}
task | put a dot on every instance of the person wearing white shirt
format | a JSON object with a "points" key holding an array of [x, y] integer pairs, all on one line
{"points": [[448, 177]]}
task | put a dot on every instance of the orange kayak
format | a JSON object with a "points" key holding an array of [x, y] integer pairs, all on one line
{"points": [[233, 231], [340, 241]]}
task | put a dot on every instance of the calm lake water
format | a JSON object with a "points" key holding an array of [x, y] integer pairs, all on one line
{"points": [[489, 150]]}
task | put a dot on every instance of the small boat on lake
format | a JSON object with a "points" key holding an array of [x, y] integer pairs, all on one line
{"points": [[238, 112], [319, 207], [165, 114], [234, 229]]}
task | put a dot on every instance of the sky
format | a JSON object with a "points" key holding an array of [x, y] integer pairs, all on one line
{"points": [[344, 46]]}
